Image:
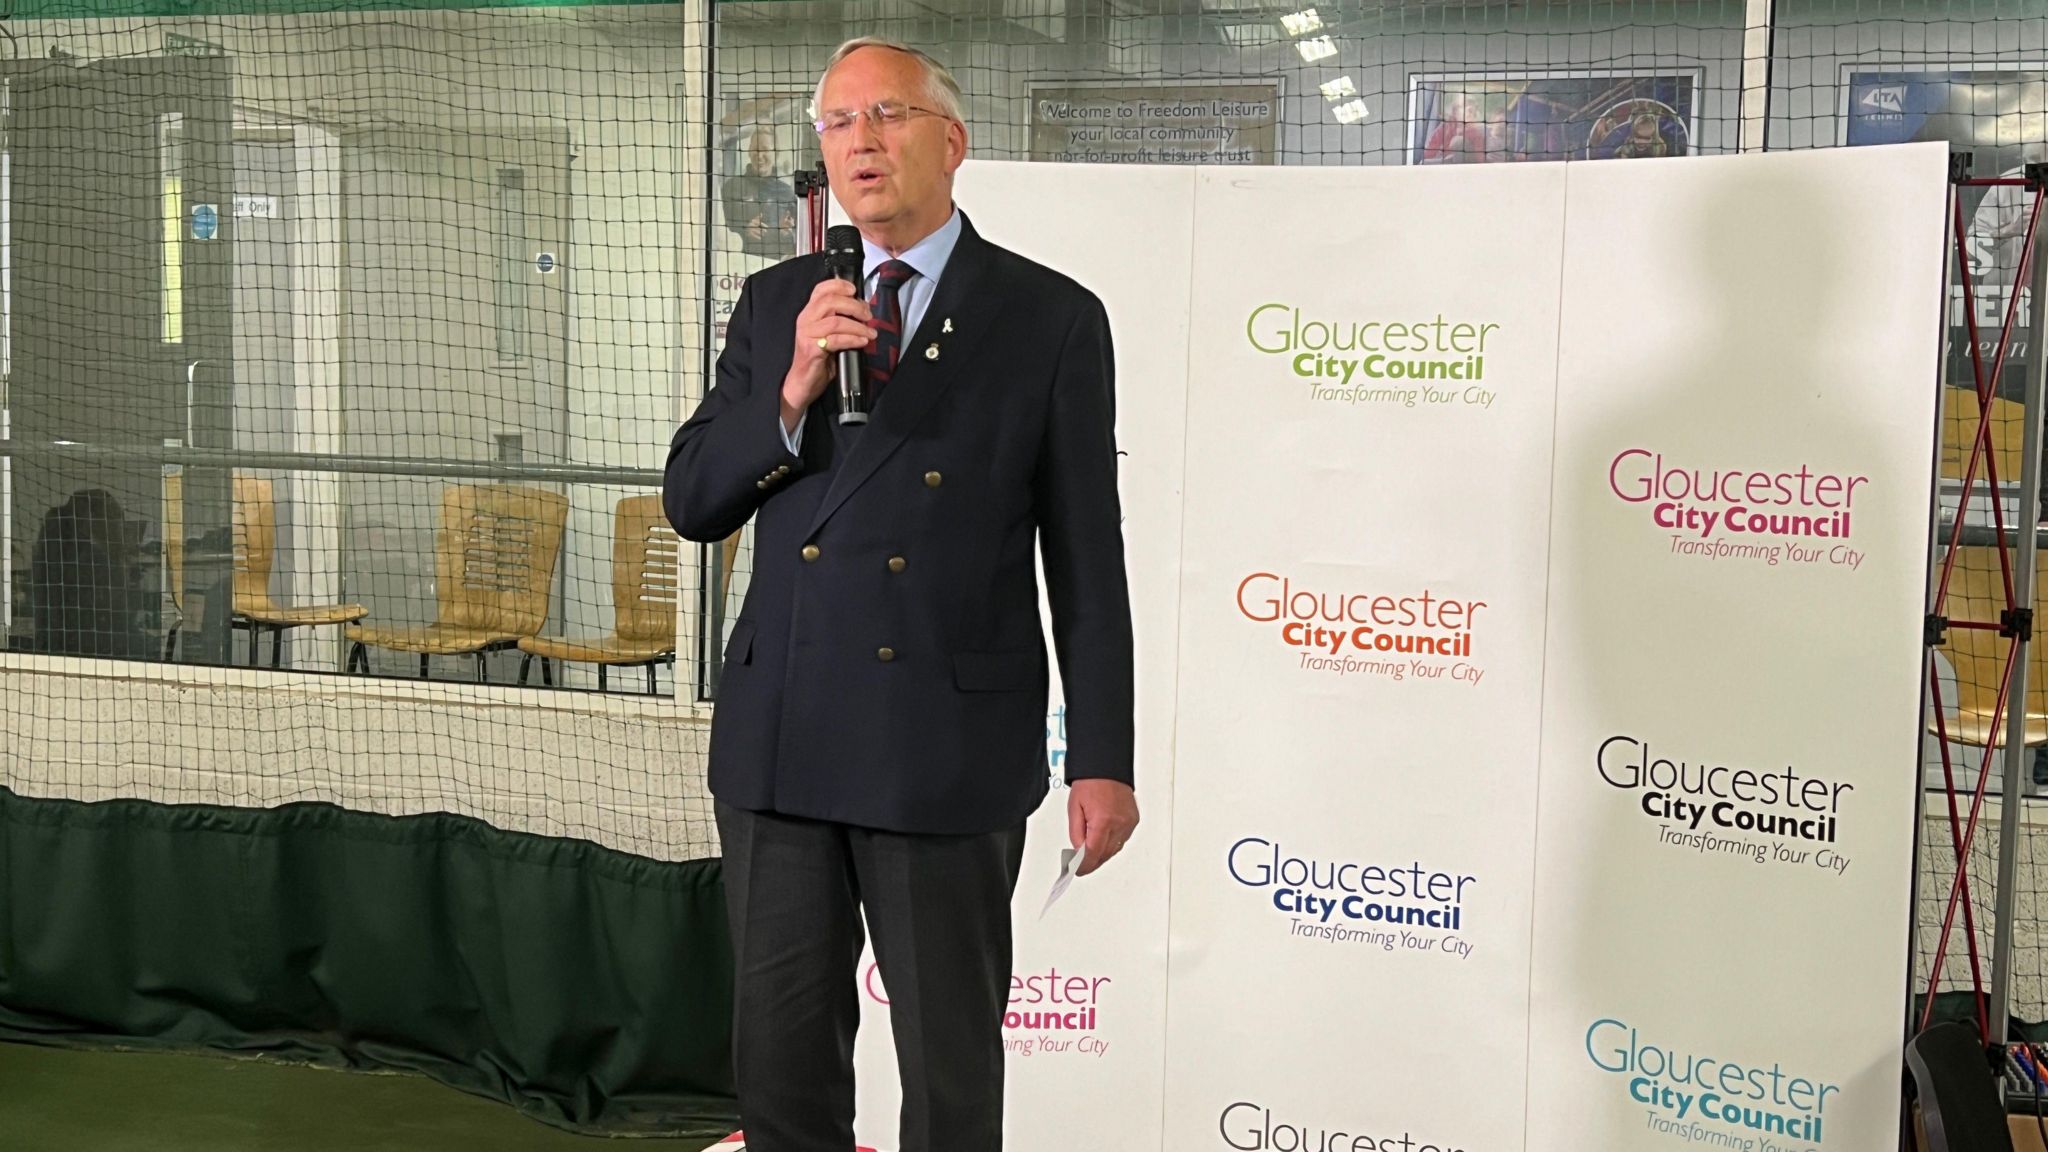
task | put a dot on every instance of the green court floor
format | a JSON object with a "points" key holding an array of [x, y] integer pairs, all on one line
{"points": [[56, 1100]]}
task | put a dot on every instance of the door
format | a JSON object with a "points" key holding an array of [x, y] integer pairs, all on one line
{"points": [[456, 326], [121, 343]]}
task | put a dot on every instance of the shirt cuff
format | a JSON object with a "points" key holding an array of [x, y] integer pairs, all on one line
{"points": [[794, 441]]}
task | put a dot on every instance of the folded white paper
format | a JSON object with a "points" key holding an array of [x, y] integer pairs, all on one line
{"points": [[1070, 863]]}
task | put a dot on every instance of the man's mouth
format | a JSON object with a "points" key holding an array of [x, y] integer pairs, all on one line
{"points": [[867, 178]]}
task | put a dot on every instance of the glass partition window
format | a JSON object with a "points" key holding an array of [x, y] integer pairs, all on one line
{"points": [[346, 326]]}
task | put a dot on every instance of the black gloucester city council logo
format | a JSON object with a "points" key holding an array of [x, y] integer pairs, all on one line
{"points": [[1779, 815], [1708, 1099], [1399, 904], [1406, 362]]}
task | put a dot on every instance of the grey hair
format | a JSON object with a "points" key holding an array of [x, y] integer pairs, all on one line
{"points": [[940, 89]]}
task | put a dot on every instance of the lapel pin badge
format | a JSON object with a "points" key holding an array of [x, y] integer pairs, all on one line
{"points": [[947, 326], [932, 352]]}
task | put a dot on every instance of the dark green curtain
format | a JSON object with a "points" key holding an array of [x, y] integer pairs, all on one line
{"points": [[589, 989]]}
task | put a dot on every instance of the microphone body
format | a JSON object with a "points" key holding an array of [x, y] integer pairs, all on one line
{"points": [[844, 257]]}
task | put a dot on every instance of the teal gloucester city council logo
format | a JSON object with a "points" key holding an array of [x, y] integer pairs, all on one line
{"points": [[1425, 361], [1706, 1098]]}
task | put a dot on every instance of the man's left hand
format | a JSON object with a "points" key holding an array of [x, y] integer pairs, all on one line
{"points": [[1101, 814]]}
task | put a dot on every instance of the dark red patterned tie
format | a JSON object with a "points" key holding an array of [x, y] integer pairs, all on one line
{"points": [[887, 349]]}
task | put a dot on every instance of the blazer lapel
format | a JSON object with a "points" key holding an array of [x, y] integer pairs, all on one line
{"points": [[919, 382]]}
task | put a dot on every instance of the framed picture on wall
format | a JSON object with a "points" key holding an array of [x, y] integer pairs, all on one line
{"points": [[1999, 114], [762, 140], [1583, 114], [1142, 122]]}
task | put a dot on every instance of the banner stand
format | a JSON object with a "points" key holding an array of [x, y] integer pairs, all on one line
{"points": [[2015, 618], [2017, 752], [1350, 614]]}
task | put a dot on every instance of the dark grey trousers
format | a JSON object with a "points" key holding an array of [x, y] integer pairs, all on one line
{"points": [[939, 908]]}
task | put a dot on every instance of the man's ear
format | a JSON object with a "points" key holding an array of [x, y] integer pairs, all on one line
{"points": [[956, 145]]}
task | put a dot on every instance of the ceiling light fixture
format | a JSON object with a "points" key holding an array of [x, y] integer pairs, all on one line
{"points": [[1316, 48], [1302, 23]]}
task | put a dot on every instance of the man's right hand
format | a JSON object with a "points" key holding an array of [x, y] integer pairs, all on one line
{"points": [[839, 317]]}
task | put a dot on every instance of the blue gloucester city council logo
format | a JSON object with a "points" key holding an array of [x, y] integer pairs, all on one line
{"points": [[1400, 904]]}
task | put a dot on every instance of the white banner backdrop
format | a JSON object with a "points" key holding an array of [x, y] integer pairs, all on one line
{"points": [[1737, 579], [1088, 998], [1362, 632], [1530, 711]]}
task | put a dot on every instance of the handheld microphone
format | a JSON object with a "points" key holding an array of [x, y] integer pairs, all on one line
{"points": [[844, 256]]}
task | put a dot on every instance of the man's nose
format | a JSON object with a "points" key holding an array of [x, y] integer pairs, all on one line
{"points": [[861, 134]]}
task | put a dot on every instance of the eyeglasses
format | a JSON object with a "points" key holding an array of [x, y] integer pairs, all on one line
{"points": [[884, 114]]}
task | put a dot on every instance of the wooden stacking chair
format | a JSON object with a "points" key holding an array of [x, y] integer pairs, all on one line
{"points": [[255, 523], [494, 568], [645, 554]]}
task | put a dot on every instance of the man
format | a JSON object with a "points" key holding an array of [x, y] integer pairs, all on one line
{"points": [[879, 737]]}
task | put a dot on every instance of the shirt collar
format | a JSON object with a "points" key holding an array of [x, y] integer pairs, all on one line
{"points": [[928, 257]]}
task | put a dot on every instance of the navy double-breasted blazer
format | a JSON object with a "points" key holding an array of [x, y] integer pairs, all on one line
{"points": [[888, 668]]}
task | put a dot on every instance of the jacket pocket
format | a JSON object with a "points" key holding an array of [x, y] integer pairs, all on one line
{"points": [[739, 649], [996, 671]]}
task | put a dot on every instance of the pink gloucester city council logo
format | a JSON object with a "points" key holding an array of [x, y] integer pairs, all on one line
{"points": [[1051, 1012], [1793, 515]]}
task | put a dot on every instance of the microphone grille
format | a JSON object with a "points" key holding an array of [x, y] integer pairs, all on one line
{"points": [[843, 246]]}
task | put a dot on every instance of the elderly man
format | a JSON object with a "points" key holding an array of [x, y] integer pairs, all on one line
{"points": [[879, 736]]}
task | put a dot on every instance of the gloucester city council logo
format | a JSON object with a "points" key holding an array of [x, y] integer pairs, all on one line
{"points": [[1248, 1126], [1796, 515], [1398, 633], [1779, 814], [1709, 1098], [1420, 361], [1052, 1011], [1398, 903]]}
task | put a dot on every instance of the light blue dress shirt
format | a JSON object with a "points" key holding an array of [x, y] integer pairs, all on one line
{"points": [[928, 257]]}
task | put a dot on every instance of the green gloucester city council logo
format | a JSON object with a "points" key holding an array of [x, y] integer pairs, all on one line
{"points": [[1414, 362]]}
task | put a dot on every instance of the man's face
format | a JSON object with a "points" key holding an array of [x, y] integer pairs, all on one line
{"points": [[900, 173], [760, 153]]}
